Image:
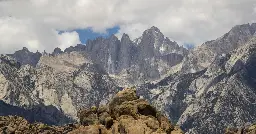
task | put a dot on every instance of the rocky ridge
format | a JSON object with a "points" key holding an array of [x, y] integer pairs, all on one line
{"points": [[126, 61], [125, 114], [195, 87], [210, 100], [67, 82], [201, 57], [25, 57]]}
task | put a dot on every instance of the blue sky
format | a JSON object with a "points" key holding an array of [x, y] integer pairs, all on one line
{"points": [[189, 45], [85, 34]]}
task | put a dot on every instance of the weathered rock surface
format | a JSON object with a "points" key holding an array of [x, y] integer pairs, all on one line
{"points": [[25, 57], [209, 100], [103, 120], [202, 56], [204, 90], [18, 125], [251, 129], [134, 62], [66, 81], [129, 113]]}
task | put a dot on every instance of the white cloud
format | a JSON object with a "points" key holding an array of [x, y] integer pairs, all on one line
{"points": [[68, 39], [133, 30], [18, 33], [33, 23]]}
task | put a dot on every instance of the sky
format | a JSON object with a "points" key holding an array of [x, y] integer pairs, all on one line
{"points": [[47, 24]]}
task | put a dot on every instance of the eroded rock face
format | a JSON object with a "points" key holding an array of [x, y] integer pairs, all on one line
{"points": [[225, 94], [25, 57], [212, 99], [202, 56], [134, 62], [67, 81], [138, 118]]}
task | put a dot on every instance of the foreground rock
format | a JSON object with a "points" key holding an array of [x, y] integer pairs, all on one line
{"points": [[245, 130], [125, 114], [18, 125]]}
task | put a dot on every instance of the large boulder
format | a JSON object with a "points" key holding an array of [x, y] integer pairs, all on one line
{"points": [[127, 113], [126, 102]]}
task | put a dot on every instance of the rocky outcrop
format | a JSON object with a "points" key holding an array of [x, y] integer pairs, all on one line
{"points": [[65, 82], [134, 62], [224, 93], [243, 130], [212, 99], [125, 114], [25, 57], [57, 51], [18, 125], [202, 56]]}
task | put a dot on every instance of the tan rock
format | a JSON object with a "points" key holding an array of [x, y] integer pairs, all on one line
{"points": [[128, 125], [177, 130]]}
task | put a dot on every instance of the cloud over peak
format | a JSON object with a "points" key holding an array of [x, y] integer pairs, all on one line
{"points": [[35, 23]]}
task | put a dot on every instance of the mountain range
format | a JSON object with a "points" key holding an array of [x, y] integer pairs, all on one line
{"points": [[204, 90]]}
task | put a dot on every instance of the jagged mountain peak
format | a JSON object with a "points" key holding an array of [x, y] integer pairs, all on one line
{"points": [[202, 56], [78, 48], [113, 37], [243, 27], [125, 37], [153, 31], [25, 49], [24, 56], [57, 51], [154, 28]]}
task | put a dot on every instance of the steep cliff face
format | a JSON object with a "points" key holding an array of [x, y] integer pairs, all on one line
{"points": [[25, 57], [66, 81], [202, 56], [210, 100], [225, 93], [133, 62]]}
